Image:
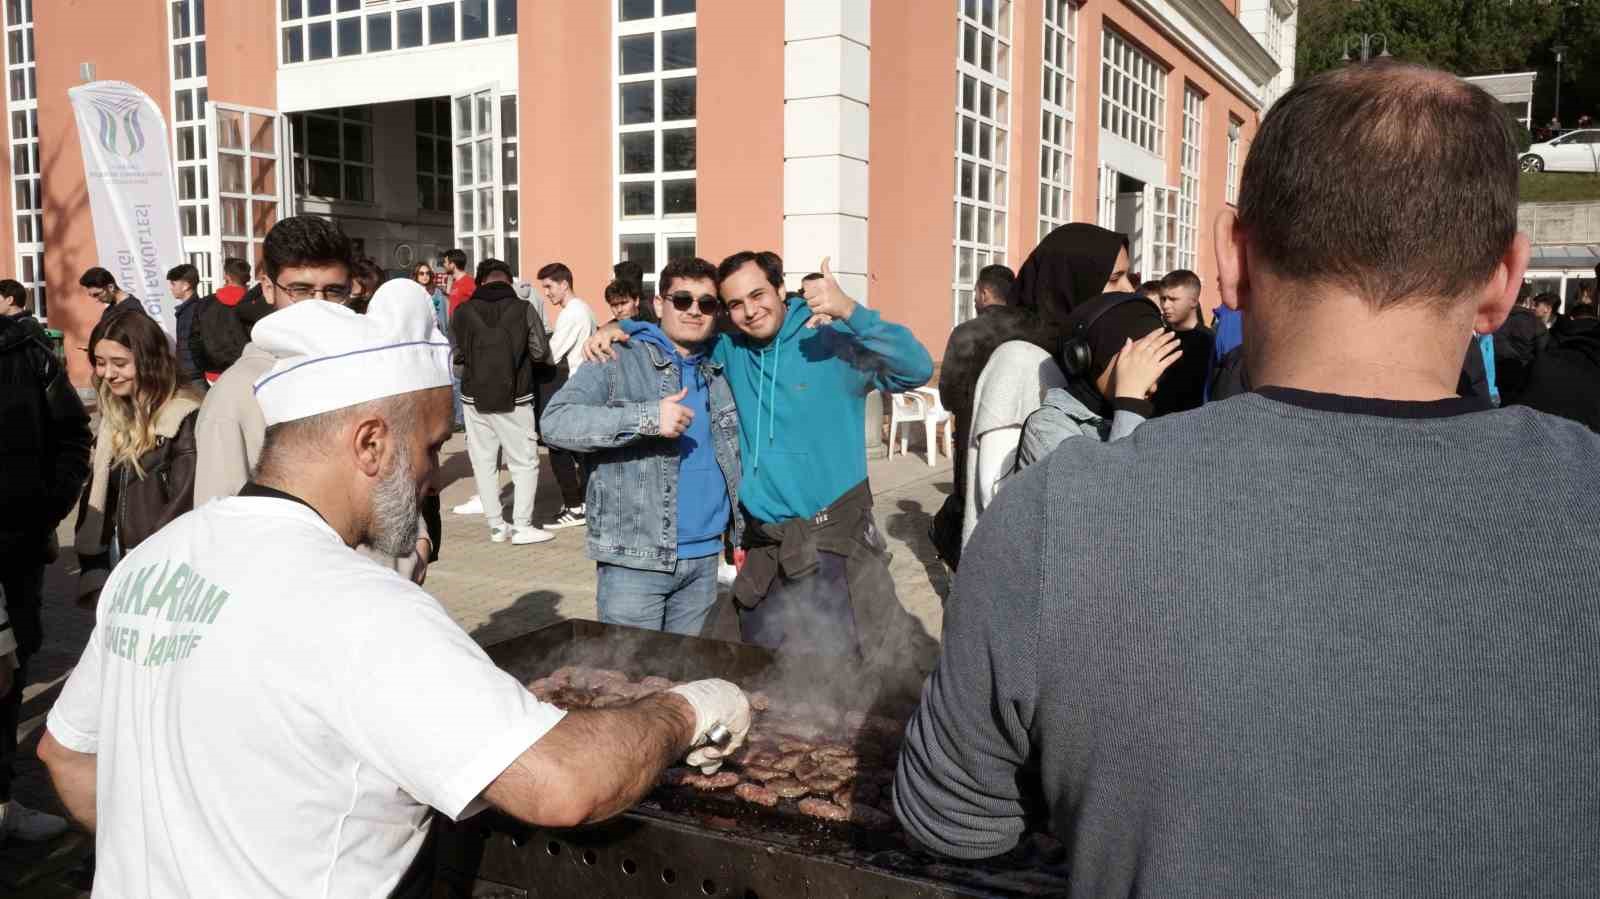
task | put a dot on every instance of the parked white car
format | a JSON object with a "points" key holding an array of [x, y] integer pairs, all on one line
{"points": [[1575, 151]]}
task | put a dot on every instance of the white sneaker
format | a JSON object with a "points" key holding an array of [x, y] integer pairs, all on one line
{"points": [[472, 506], [499, 532], [23, 823], [569, 518], [523, 536]]}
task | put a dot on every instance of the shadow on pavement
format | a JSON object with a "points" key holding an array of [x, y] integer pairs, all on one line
{"points": [[910, 526], [530, 611]]}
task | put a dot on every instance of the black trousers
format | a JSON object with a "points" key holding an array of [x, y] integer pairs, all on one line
{"points": [[572, 474], [23, 583]]}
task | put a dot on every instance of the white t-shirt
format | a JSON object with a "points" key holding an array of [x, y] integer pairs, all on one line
{"points": [[574, 325], [273, 714]]}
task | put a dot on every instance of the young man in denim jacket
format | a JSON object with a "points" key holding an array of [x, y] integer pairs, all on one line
{"points": [[660, 423]]}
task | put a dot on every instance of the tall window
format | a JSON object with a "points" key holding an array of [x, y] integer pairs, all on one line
{"points": [[22, 104], [433, 154], [510, 159], [1234, 127], [191, 134], [1164, 218], [983, 146], [1189, 173], [1133, 90], [313, 30], [333, 154], [1056, 111], [655, 150]]}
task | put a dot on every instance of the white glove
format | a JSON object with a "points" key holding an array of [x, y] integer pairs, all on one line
{"points": [[715, 702]]}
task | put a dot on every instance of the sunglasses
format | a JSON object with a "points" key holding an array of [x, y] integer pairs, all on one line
{"points": [[681, 301]]}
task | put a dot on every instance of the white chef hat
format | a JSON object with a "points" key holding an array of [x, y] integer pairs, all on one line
{"points": [[330, 357]]}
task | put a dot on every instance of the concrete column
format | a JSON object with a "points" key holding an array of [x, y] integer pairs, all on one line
{"points": [[826, 76]]}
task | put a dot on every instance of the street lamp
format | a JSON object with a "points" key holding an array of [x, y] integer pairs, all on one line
{"points": [[1560, 51], [1366, 42]]}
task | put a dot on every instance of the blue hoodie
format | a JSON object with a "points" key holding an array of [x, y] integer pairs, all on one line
{"points": [[703, 507], [802, 410]]}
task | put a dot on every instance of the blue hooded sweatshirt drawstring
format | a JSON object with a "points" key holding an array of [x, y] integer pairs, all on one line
{"points": [[771, 404]]}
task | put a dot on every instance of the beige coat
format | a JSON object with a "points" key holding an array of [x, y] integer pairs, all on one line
{"points": [[229, 435]]}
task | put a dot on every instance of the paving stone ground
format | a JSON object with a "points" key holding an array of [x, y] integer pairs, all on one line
{"points": [[493, 590]]}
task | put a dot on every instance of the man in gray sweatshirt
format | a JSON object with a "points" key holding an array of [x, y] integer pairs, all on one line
{"points": [[1338, 677]]}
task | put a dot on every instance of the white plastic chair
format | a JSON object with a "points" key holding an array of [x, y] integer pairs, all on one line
{"points": [[920, 407]]}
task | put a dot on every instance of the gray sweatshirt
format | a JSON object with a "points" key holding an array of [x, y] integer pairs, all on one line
{"points": [[1298, 645]]}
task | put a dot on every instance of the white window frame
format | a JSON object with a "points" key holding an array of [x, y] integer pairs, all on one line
{"points": [[1189, 165], [1161, 232], [302, 159], [475, 131], [979, 217], [197, 221], [510, 194], [1133, 93], [1235, 127], [1057, 128], [246, 243], [365, 10], [668, 235], [26, 184]]}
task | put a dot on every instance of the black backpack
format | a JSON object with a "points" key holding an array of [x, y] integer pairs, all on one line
{"points": [[218, 336]]}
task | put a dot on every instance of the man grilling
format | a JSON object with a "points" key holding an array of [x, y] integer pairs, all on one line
{"points": [[1353, 686], [262, 711]]}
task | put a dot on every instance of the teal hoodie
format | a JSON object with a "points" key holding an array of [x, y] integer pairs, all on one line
{"points": [[802, 405]]}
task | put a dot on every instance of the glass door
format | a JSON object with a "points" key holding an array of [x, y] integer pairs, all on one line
{"points": [[1107, 217], [475, 133], [247, 182]]}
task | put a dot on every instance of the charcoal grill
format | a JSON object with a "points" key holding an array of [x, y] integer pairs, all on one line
{"points": [[682, 844]]}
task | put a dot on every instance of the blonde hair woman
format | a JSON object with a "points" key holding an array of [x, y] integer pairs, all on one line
{"points": [[143, 474]]}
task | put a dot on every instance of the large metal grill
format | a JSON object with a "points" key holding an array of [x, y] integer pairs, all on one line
{"points": [[682, 843]]}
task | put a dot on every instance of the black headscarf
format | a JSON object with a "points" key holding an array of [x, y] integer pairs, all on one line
{"points": [[1067, 269]]}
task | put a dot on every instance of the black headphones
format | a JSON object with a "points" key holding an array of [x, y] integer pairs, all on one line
{"points": [[1076, 355]]}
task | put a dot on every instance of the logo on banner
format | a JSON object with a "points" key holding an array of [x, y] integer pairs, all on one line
{"points": [[119, 125]]}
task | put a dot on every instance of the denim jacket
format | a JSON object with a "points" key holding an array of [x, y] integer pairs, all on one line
{"points": [[612, 410]]}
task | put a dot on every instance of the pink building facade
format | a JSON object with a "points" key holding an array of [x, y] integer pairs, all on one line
{"points": [[911, 141]]}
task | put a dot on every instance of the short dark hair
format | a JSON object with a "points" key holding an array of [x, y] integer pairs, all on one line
{"points": [[621, 289], [630, 270], [1181, 278], [1150, 290], [1547, 299], [16, 293], [556, 271], [185, 273], [302, 241], [814, 276], [1317, 199], [236, 270], [97, 277], [690, 269], [490, 266], [366, 270], [456, 258], [769, 262], [998, 278]]}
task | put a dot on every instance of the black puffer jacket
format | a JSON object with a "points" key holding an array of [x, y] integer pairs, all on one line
{"points": [[44, 440], [1565, 379], [500, 343]]}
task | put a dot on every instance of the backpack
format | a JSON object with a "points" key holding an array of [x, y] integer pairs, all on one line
{"points": [[222, 335]]}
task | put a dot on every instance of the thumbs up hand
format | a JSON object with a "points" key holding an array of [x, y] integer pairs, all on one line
{"points": [[825, 298], [675, 417]]}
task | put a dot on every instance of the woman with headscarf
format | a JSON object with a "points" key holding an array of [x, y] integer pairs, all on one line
{"points": [[1072, 265]]}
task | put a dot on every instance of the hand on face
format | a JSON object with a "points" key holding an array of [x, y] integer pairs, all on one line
{"points": [[1141, 362]]}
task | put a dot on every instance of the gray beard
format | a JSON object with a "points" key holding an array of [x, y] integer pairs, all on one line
{"points": [[392, 529]]}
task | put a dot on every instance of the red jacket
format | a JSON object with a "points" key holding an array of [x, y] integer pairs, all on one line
{"points": [[460, 291]]}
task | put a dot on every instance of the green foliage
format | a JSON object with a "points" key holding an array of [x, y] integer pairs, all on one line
{"points": [[1467, 37]]}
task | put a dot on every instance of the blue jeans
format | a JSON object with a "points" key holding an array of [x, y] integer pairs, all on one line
{"points": [[455, 393], [677, 601]]}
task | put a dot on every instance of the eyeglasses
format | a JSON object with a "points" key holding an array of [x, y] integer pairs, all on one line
{"points": [[681, 301], [336, 293]]}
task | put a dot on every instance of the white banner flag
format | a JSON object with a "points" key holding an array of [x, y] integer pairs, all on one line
{"points": [[132, 194]]}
